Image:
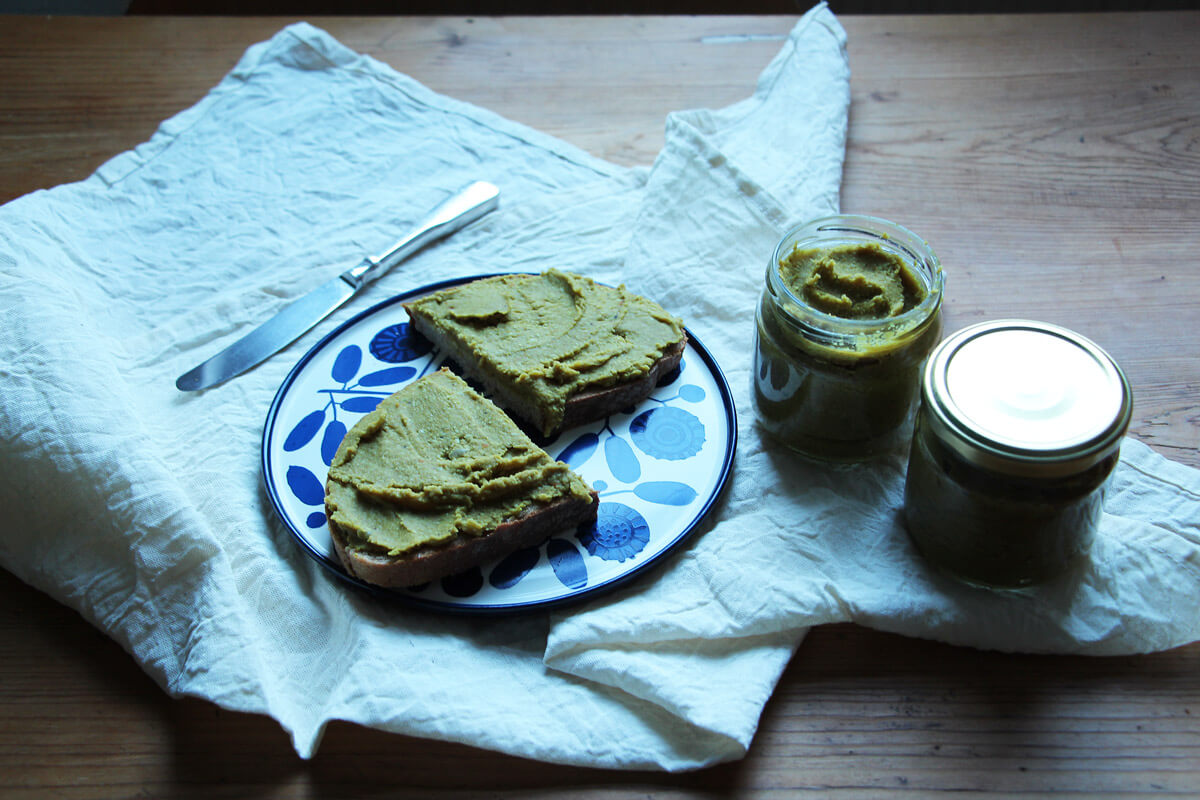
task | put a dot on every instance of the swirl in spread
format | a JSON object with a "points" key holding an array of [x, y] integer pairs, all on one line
{"points": [[859, 281]]}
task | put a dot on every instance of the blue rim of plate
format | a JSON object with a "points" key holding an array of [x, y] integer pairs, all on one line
{"points": [[569, 595]]}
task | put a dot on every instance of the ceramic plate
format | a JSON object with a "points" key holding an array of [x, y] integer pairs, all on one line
{"points": [[657, 467]]}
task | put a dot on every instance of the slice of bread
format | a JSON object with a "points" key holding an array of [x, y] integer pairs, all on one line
{"points": [[437, 480], [555, 350], [463, 552]]}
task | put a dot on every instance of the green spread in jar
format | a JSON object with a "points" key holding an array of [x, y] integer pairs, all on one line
{"points": [[995, 529], [856, 281], [434, 461], [843, 329], [1019, 428]]}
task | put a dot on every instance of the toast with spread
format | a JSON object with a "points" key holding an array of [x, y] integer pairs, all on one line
{"points": [[555, 350], [436, 480]]}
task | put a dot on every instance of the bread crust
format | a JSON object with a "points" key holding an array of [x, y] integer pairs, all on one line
{"points": [[599, 403], [463, 552], [584, 407]]}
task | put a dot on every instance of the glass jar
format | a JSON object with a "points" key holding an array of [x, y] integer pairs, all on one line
{"points": [[1019, 429], [838, 388]]}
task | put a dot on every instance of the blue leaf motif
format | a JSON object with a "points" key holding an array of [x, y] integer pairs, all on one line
{"points": [[335, 431], [672, 376], [387, 377], [621, 460], [509, 572], [464, 584], [346, 365], [361, 404], [667, 493], [567, 563], [579, 450], [691, 393], [305, 486], [315, 520], [305, 430]]}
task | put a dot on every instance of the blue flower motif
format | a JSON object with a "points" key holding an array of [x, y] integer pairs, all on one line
{"points": [[668, 433], [397, 343], [620, 533]]}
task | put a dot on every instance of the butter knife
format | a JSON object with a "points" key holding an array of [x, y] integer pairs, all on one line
{"points": [[463, 207]]}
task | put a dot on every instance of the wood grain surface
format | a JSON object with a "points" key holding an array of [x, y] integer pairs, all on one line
{"points": [[1053, 162]]}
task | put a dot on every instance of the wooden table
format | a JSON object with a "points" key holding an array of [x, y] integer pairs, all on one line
{"points": [[1052, 161]]}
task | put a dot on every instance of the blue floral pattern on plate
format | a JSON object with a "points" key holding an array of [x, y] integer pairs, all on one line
{"points": [[620, 532], [657, 467]]}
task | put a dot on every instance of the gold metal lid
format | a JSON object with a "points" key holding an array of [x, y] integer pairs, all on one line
{"points": [[1026, 398]]}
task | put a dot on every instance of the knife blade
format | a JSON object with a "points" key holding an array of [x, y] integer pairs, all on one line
{"points": [[463, 207]]}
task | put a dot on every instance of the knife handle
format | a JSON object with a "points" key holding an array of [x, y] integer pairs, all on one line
{"points": [[463, 207]]}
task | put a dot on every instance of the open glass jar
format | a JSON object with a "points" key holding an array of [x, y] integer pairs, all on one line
{"points": [[1020, 427], [832, 386]]}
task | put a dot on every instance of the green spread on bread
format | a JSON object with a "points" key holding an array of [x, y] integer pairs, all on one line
{"points": [[434, 462], [539, 340]]}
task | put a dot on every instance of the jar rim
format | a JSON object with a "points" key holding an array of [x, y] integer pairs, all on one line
{"points": [[959, 427], [893, 237]]}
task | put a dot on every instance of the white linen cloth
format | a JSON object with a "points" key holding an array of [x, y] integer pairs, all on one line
{"points": [[143, 507]]}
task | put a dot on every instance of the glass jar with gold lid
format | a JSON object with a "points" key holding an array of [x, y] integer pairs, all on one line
{"points": [[1020, 427], [850, 310]]}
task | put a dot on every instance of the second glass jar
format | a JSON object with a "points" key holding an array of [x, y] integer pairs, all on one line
{"points": [[836, 387]]}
